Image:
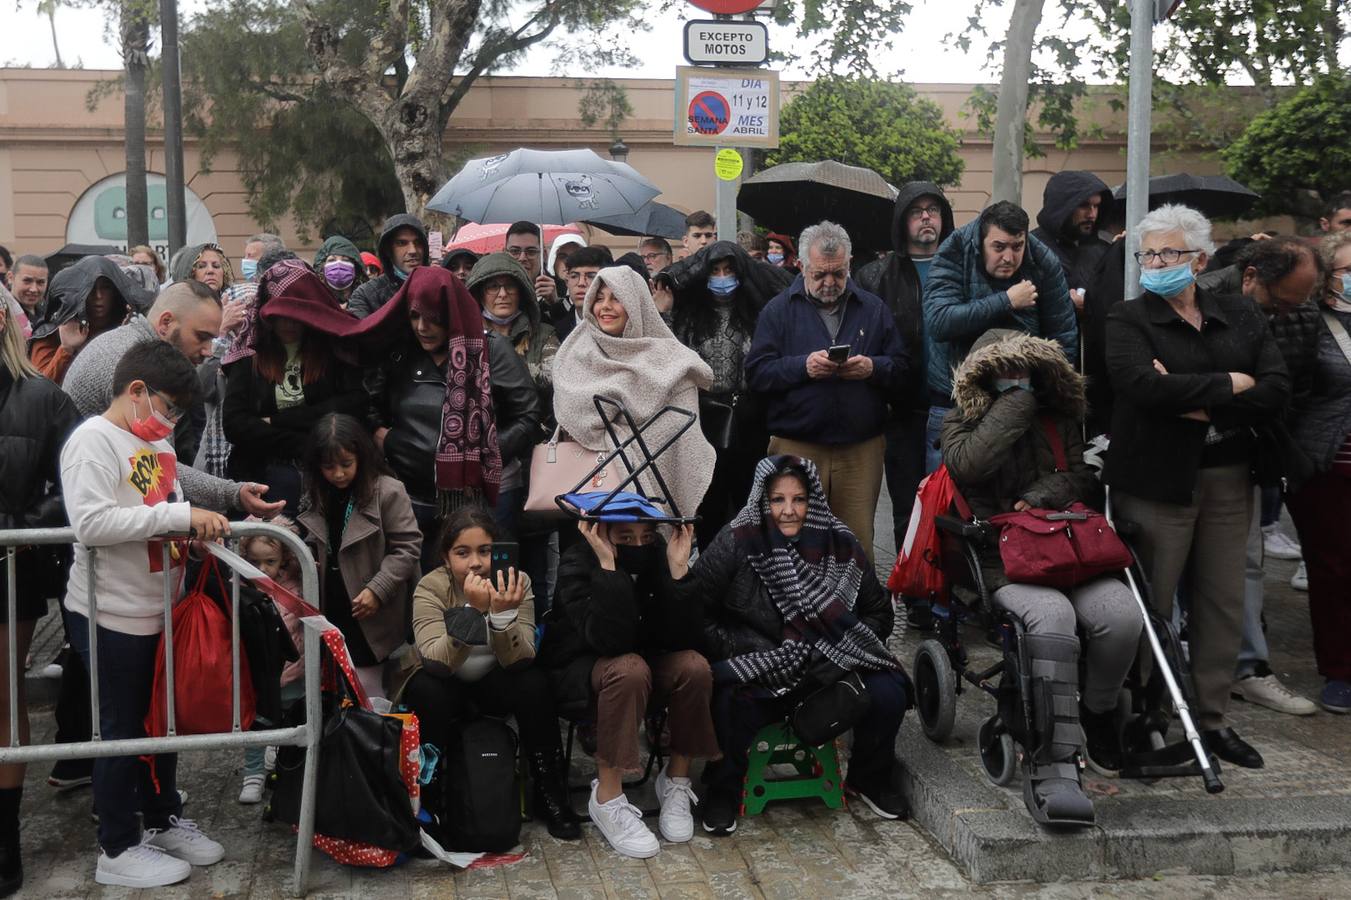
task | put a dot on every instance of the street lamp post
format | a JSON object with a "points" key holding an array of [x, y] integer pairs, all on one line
{"points": [[619, 151]]}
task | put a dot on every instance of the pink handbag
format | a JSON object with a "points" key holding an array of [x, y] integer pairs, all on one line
{"points": [[556, 467]]}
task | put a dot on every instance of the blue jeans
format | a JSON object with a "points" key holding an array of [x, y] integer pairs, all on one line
{"points": [[125, 785], [739, 711], [933, 428]]}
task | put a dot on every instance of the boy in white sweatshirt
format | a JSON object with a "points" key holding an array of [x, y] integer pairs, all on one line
{"points": [[119, 477]]}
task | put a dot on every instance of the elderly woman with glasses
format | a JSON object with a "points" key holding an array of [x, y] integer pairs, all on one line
{"points": [[1194, 371]]}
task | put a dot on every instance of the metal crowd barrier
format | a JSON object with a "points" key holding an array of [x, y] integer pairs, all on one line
{"points": [[306, 735]]}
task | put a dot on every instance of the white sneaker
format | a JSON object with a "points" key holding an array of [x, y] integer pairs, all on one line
{"points": [[676, 796], [183, 840], [270, 759], [622, 824], [252, 791], [142, 866], [1300, 580], [1266, 690], [1279, 545]]}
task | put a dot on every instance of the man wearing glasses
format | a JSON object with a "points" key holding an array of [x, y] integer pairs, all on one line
{"points": [[583, 266], [525, 246]]}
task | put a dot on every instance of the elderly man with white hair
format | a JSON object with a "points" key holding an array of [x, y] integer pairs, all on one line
{"points": [[1195, 371], [827, 358]]}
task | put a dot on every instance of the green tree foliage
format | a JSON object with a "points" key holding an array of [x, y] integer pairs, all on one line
{"points": [[1296, 154], [880, 125]]}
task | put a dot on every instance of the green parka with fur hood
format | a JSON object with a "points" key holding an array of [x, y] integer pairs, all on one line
{"points": [[995, 446]]}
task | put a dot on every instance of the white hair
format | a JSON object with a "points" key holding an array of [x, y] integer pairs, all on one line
{"points": [[826, 237], [1176, 217]]}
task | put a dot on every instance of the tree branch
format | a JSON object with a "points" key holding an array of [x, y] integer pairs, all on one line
{"points": [[490, 53]]}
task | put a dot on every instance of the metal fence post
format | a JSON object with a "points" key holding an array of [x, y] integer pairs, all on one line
{"points": [[314, 719], [12, 604], [169, 658], [95, 733]]}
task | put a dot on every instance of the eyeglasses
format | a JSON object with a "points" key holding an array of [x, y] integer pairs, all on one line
{"points": [[580, 275], [1168, 255], [171, 412], [919, 212], [501, 287], [527, 252], [653, 257]]}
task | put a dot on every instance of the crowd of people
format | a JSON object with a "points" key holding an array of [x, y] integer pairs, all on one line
{"points": [[386, 406]]}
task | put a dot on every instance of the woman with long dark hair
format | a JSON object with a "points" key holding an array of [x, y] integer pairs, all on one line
{"points": [[294, 377]]}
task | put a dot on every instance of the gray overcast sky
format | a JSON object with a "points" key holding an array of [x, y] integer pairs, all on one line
{"points": [[919, 51]]}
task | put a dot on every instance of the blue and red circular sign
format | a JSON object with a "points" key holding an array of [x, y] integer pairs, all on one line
{"points": [[710, 113]]}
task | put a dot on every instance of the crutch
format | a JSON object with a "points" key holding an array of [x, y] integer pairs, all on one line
{"points": [[1208, 773]]}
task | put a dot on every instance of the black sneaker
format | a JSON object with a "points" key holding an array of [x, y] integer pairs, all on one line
{"points": [[69, 774], [718, 809], [882, 798], [1102, 743]]}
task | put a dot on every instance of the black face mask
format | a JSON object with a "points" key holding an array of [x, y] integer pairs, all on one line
{"points": [[639, 560]]}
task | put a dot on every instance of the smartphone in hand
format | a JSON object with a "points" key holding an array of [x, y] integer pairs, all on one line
{"points": [[506, 555], [838, 353]]}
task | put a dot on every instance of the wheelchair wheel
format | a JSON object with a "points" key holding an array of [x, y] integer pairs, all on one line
{"points": [[998, 757], [935, 691]]}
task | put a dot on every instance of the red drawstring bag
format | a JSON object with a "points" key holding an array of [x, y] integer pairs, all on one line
{"points": [[918, 571], [203, 668]]}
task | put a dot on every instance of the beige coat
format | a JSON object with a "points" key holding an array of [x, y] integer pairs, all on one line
{"points": [[380, 549]]}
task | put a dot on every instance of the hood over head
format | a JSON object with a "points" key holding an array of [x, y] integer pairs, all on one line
{"points": [[1064, 193], [905, 198], [503, 263], [181, 266], [370, 259], [452, 256], [393, 224], [559, 242], [999, 350], [337, 245], [762, 281], [631, 290], [71, 287], [790, 251]]}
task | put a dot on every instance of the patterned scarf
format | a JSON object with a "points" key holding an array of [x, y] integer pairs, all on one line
{"points": [[813, 580], [468, 459]]}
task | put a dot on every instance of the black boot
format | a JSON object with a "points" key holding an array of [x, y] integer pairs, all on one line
{"points": [[551, 795], [1051, 788], [1102, 741], [11, 864]]}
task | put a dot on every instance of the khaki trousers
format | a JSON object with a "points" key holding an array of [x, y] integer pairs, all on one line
{"points": [[1211, 534], [851, 476]]}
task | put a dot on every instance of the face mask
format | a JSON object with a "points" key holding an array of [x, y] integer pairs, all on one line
{"points": [[774, 258], [1004, 385], [339, 273], [501, 320], [1345, 298], [1168, 282], [399, 274], [723, 284], [248, 268], [154, 427], [637, 559]]}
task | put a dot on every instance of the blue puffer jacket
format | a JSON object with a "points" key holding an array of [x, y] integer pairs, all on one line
{"points": [[831, 410], [961, 303]]}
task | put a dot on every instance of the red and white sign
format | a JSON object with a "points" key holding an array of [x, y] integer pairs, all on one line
{"points": [[727, 7]]}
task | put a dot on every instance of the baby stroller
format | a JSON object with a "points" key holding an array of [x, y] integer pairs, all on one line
{"points": [[1032, 684]]}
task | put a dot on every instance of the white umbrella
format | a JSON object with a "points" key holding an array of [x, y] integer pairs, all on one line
{"points": [[548, 187]]}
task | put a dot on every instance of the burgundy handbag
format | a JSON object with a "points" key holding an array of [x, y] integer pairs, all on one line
{"points": [[1058, 548]]}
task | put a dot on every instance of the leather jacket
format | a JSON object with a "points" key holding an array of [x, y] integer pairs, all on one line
{"points": [[407, 392]]}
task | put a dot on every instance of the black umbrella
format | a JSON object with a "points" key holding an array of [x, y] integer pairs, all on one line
{"points": [[789, 197], [1214, 196], [652, 220]]}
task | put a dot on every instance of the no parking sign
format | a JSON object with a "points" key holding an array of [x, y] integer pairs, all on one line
{"points": [[718, 107]]}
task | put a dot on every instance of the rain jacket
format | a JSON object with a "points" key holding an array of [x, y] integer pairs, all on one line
{"points": [[337, 245], [762, 281], [962, 302], [376, 293], [1066, 192], [995, 445], [66, 297], [895, 279], [534, 340]]}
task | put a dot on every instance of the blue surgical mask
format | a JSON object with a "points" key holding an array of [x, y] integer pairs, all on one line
{"points": [[248, 268], [399, 274], [1168, 282], [1004, 385], [723, 284], [774, 258], [1346, 286], [501, 320]]}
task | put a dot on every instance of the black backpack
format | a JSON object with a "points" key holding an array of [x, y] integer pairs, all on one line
{"points": [[480, 806]]}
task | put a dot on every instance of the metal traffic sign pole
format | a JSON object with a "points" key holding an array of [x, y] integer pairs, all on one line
{"points": [[1144, 14]]}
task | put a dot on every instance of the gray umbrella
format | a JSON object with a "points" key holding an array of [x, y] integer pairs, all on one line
{"points": [[653, 220], [547, 187]]}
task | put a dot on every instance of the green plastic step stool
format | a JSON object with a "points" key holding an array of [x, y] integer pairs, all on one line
{"points": [[818, 771]]}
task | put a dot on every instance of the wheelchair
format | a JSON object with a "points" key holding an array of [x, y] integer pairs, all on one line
{"points": [[1023, 727]]}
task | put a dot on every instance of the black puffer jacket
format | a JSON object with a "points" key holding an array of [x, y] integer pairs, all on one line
{"points": [[760, 281], [406, 394], [1322, 419], [35, 420], [895, 279], [740, 616], [598, 614]]}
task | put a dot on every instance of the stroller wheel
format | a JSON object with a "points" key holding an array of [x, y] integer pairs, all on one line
{"points": [[935, 691], [998, 756]]}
